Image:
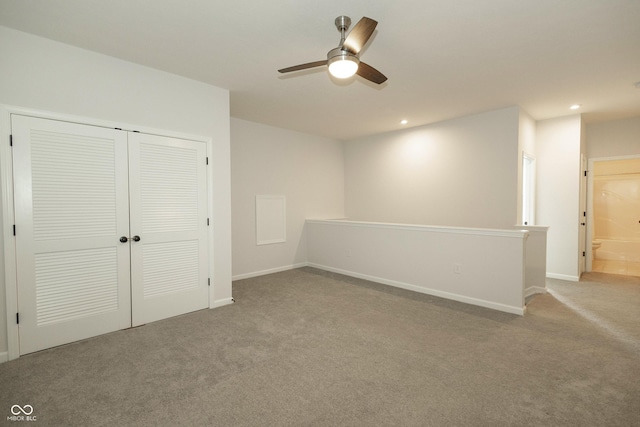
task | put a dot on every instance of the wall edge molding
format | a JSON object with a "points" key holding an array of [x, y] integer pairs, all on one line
{"points": [[269, 271], [446, 295], [534, 290], [563, 277], [222, 302], [520, 234]]}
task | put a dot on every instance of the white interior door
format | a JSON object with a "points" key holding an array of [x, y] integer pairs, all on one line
{"points": [[111, 229], [168, 201], [71, 208]]}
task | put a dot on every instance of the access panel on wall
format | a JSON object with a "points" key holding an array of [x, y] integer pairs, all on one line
{"points": [[110, 229]]}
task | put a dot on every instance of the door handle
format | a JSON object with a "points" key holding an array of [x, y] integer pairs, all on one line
{"points": [[124, 239], [136, 238]]}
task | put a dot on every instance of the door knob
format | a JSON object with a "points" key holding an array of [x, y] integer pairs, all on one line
{"points": [[136, 238], [123, 239]]}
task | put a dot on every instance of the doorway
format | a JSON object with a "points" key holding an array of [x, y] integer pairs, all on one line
{"points": [[615, 212]]}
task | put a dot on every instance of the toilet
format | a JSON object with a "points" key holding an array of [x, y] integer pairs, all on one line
{"points": [[595, 245]]}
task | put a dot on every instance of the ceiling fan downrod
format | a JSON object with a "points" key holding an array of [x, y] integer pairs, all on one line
{"points": [[342, 24]]}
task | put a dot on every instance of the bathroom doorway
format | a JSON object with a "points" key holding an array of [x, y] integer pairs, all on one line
{"points": [[614, 232]]}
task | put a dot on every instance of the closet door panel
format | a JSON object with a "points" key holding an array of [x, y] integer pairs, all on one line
{"points": [[71, 208], [168, 199]]}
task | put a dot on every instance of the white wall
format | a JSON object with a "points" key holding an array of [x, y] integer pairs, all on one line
{"points": [[558, 144], [535, 259], [41, 74], [613, 138], [475, 266], [461, 172], [307, 169]]}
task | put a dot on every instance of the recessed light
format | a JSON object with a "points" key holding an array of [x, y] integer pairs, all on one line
{"points": [[404, 122], [575, 107]]}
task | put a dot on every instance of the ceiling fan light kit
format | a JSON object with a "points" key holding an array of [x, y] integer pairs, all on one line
{"points": [[344, 61], [342, 64]]}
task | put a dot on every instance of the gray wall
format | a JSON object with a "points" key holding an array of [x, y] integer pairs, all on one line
{"points": [[308, 170], [558, 192], [461, 172], [614, 138]]}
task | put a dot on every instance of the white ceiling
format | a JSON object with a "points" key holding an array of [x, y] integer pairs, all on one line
{"points": [[443, 58]]}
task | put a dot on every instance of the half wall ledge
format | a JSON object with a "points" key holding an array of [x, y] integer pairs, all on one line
{"points": [[484, 267]]}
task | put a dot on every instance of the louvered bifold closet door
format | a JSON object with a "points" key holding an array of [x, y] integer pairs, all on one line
{"points": [[71, 208], [168, 201]]}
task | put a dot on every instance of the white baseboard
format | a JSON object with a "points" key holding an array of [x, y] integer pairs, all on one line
{"points": [[4, 357], [534, 290], [447, 295], [563, 277], [269, 271], [222, 302]]}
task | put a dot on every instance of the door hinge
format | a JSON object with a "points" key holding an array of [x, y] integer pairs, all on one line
{"points": [[584, 253], [18, 318], [584, 213], [10, 140], [585, 173], [209, 281], [207, 160], [207, 221], [14, 229]]}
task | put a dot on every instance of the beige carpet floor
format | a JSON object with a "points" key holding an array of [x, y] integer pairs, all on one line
{"points": [[310, 348]]}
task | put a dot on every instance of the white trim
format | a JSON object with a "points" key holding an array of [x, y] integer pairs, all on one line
{"points": [[210, 219], [4, 357], [269, 271], [563, 277], [11, 292], [223, 302], [536, 228], [532, 210], [521, 234], [6, 188], [92, 121], [533, 290], [447, 295]]}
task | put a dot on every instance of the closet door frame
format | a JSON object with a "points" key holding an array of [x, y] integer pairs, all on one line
{"points": [[8, 219]]}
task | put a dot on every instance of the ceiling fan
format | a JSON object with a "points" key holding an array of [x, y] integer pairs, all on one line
{"points": [[343, 61]]}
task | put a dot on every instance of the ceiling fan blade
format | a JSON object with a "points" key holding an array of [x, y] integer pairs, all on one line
{"points": [[303, 66], [359, 35], [370, 73]]}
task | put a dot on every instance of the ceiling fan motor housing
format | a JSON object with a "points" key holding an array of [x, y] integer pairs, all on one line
{"points": [[339, 54]]}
